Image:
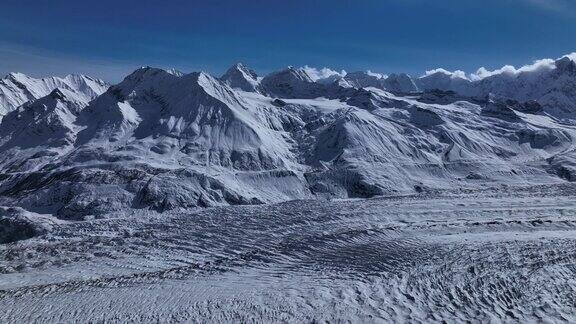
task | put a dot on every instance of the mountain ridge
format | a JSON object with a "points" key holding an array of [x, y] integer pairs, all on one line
{"points": [[18, 88], [165, 140]]}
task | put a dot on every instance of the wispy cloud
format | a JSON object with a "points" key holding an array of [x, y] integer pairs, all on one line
{"points": [[560, 6]]}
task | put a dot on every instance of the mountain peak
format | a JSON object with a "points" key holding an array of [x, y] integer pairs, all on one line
{"points": [[16, 76], [363, 79], [566, 63], [241, 77], [292, 83], [293, 73], [144, 74], [400, 83], [244, 68], [141, 71], [57, 94], [175, 72], [19, 88]]}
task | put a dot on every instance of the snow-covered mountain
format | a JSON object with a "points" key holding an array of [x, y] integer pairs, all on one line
{"points": [[441, 79], [292, 83], [400, 83], [165, 140], [397, 83], [363, 79], [552, 83], [17, 89], [241, 77], [46, 122]]}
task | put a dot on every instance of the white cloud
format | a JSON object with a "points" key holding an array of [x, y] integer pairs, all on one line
{"points": [[482, 73], [323, 73], [538, 65], [454, 74]]}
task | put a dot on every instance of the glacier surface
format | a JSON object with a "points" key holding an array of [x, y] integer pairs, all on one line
{"points": [[301, 195]]}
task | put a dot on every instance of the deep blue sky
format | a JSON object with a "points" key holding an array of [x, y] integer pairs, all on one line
{"points": [[108, 39]]}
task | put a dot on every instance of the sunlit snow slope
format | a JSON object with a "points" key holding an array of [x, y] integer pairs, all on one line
{"points": [[163, 140], [17, 89]]}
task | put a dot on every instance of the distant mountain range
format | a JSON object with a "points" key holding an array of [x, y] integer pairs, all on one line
{"points": [[76, 146]]}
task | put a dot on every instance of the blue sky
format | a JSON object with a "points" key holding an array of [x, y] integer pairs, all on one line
{"points": [[108, 39]]}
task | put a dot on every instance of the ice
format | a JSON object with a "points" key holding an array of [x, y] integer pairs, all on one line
{"points": [[305, 195], [494, 254]]}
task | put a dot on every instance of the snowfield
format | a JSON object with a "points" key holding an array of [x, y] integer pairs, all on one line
{"points": [[500, 254], [299, 196]]}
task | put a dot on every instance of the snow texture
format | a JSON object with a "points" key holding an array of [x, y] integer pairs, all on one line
{"points": [[112, 191], [495, 255], [17, 89], [166, 140]]}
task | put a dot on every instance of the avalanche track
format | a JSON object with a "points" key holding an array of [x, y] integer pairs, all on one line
{"points": [[494, 254]]}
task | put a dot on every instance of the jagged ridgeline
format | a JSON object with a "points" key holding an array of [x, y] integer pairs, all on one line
{"points": [[162, 140]]}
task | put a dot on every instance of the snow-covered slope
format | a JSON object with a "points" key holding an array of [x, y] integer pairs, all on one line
{"points": [[447, 81], [241, 77], [397, 83], [46, 122], [292, 83], [401, 83], [17, 89], [363, 79], [164, 140]]}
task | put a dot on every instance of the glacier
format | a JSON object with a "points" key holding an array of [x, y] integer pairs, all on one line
{"points": [[360, 185]]}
